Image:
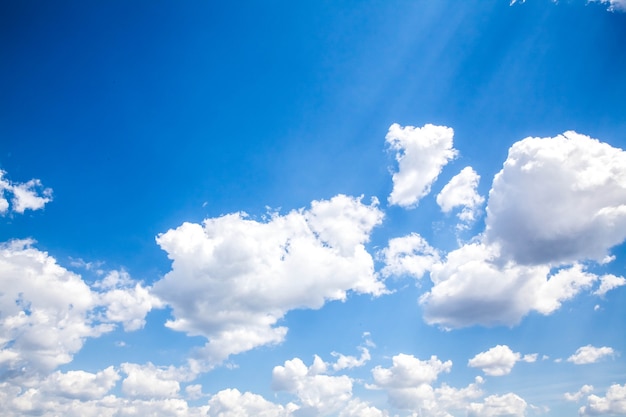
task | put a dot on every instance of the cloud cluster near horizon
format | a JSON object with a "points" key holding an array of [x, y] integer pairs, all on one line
{"points": [[232, 281]]}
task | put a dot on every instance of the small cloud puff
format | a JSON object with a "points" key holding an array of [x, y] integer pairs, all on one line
{"points": [[590, 354], [499, 360], [461, 192], [30, 195], [421, 153]]}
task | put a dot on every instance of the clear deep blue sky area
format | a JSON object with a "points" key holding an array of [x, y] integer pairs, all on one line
{"points": [[314, 208]]}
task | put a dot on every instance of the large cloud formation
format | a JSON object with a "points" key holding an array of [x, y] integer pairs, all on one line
{"points": [[558, 200], [233, 278], [532, 254]]}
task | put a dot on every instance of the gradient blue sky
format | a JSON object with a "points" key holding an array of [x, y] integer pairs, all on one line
{"points": [[126, 125]]}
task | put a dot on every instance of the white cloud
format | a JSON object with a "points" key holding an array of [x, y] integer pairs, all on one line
{"points": [[359, 408], [127, 301], [421, 154], [474, 286], [348, 362], [530, 214], [232, 403], [590, 354], [609, 282], [47, 312], [318, 394], [499, 360], [507, 405], [449, 398], [410, 255], [38, 402], [408, 371], [149, 381], [80, 385], [461, 192], [614, 403], [408, 384], [614, 5], [233, 278], [44, 310], [194, 391], [509, 270], [26, 196], [4, 185], [408, 381], [578, 395]]}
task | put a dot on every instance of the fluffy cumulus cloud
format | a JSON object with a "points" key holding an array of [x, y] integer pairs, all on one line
{"points": [[507, 405], [47, 312], [348, 362], [461, 192], [529, 258], [30, 195], [44, 310], [409, 386], [408, 255], [318, 394], [474, 286], [408, 381], [499, 360], [529, 213], [613, 403], [421, 153], [359, 408], [576, 396], [233, 277], [590, 354], [80, 385], [232, 403], [609, 282], [149, 381], [91, 402], [127, 301]]}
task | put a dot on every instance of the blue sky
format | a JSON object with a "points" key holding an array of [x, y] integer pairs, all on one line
{"points": [[315, 209]]}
